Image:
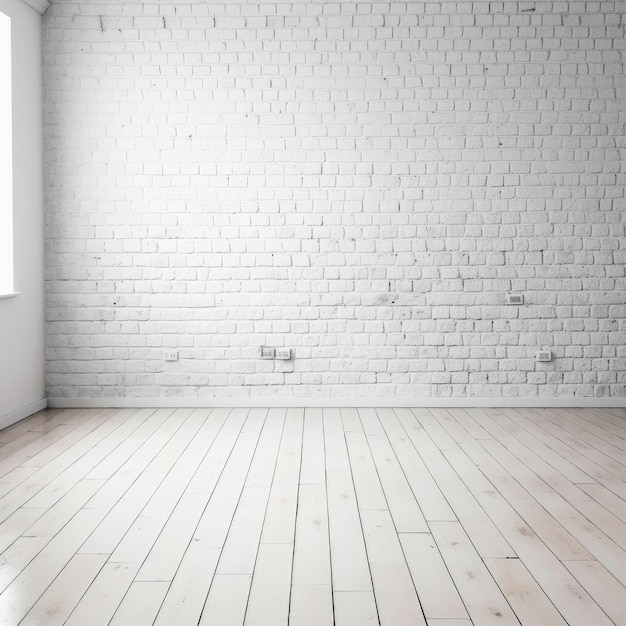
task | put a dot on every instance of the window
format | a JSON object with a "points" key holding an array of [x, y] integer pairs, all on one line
{"points": [[6, 157]]}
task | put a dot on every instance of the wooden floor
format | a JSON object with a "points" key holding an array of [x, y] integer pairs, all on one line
{"points": [[314, 517]]}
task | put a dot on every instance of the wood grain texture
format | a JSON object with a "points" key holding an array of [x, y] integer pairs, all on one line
{"points": [[298, 517]]}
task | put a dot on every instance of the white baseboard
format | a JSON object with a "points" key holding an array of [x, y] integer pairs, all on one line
{"points": [[525, 402], [20, 414]]}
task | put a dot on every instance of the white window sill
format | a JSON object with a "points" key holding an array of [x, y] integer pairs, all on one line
{"points": [[14, 294]]}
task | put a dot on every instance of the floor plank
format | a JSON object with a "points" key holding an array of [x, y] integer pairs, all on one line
{"points": [[314, 516], [602, 587], [179, 469], [27, 587], [551, 532], [140, 604], [217, 517], [396, 598], [435, 588], [219, 449], [40, 422], [280, 518], [530, 603], [570, 598], [312, 549], [350, 569], [53, 441], [64, 469], [263, 465], [431, 501], [570, 421], [58, 515], [61, 597], [15, 526], [167, 551], [94, 447], [104, 595], [587, 458], [547, 482], [187, 594], [312, 467], [485, 603], [16, 558], [607, 499], [227, 600], [120, 456], [483, 532], [407, 515], [561, 512], [15, 477], [355, 608], [506, 428], [124, 470], [369, 491], [269, 595], [240, 550], [105, 538], [311, 605]]}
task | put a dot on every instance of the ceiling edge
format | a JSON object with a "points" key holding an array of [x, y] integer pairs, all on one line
{"points": [[39, 5]]}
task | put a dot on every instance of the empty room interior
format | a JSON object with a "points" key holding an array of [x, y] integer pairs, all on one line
{"points": [[312, 313]]}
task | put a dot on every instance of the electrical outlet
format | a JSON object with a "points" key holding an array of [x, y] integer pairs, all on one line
{"points": [[267, 352], [515, 298], [170, 355], [283, 354], [543, 356]]}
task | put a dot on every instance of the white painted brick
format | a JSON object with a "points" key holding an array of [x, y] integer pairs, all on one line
{"points": [[363, 182]]}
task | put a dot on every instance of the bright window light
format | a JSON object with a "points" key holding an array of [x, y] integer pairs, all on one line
{"points": [[6, 153]]}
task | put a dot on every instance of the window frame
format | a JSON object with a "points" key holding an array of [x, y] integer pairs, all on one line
{"points": [[7, 210]]}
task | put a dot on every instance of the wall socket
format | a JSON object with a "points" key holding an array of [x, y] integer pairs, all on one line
{"points": [[515, 298], [170, 355], [267, 352], [281, 354], [543, 356]]}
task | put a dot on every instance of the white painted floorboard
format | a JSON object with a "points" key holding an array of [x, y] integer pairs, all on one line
{"points": [[320, 517]]}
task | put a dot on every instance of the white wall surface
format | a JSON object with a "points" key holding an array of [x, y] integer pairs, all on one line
{"points": [[363, 182], [21, 318]]}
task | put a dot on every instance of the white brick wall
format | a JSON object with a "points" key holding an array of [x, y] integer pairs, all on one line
{"points": [[363, 182]]}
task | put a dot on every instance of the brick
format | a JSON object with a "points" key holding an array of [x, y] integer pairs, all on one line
{"points": [[364, 182]]}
